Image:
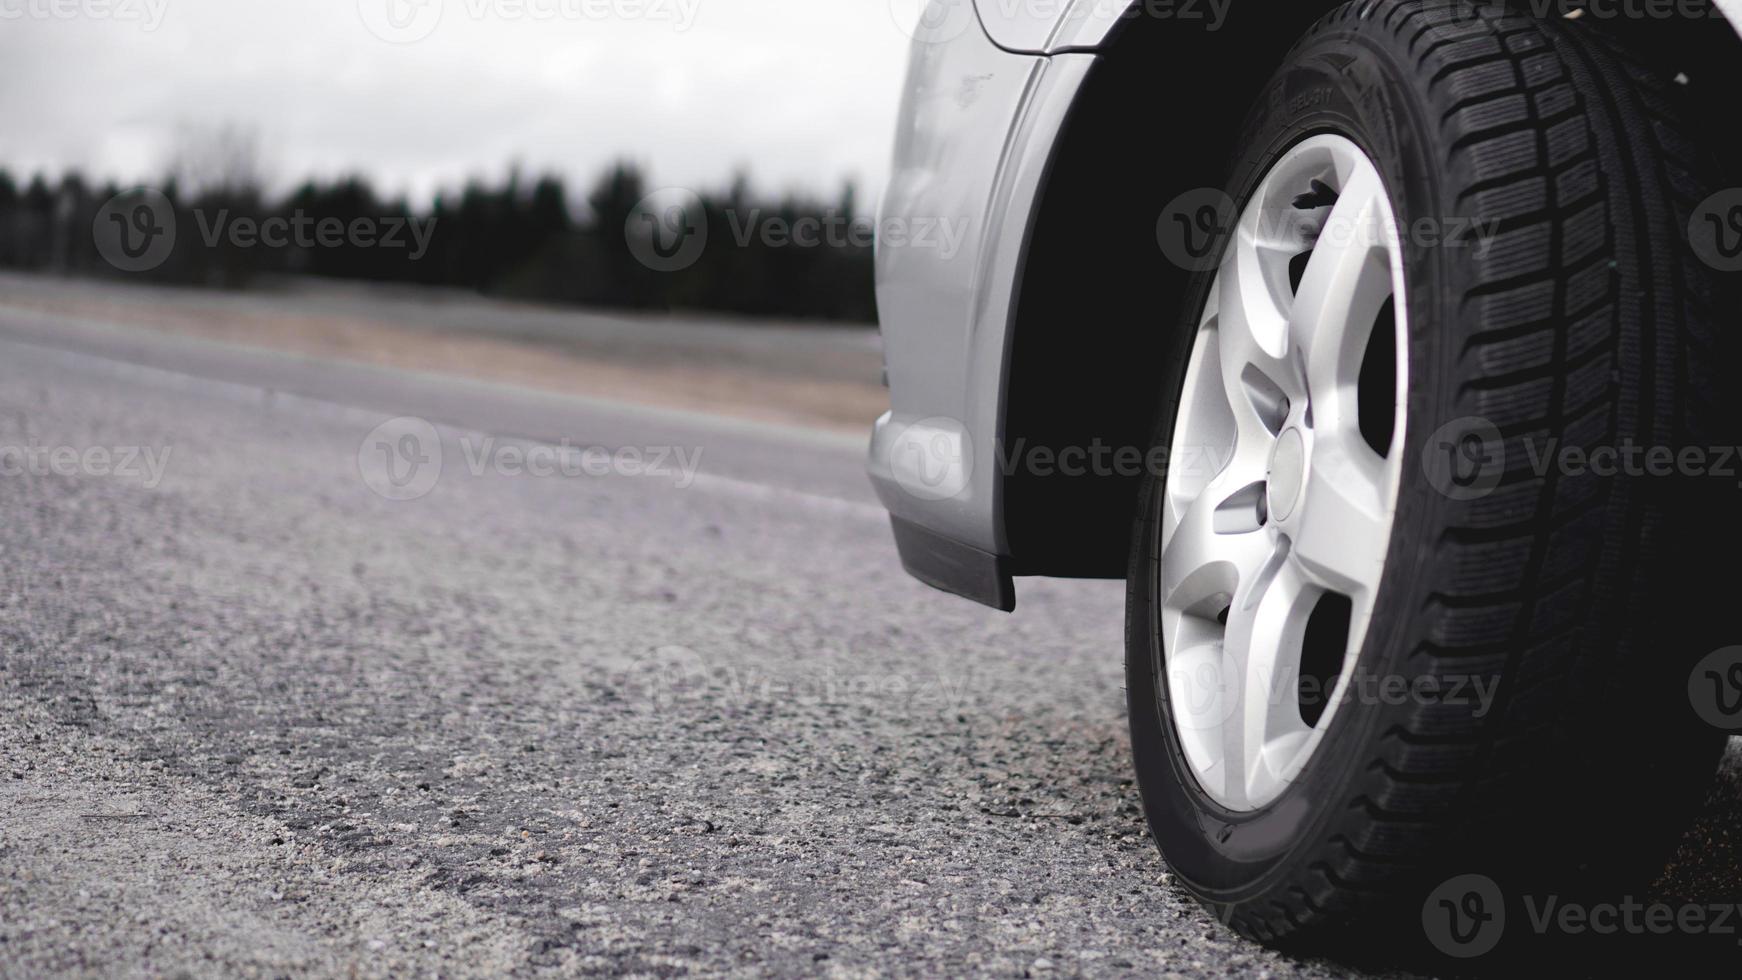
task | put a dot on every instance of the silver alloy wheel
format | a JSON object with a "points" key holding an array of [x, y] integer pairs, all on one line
{"points": [[1276, 496]]}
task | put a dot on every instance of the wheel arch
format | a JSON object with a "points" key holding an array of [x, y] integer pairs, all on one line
{"points": [[1158, 116]]}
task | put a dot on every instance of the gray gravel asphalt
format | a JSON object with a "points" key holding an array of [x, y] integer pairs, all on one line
{"points": [[258, 719]]}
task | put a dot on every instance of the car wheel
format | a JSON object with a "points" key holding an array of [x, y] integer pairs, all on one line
{"points": [[1382, 631]]}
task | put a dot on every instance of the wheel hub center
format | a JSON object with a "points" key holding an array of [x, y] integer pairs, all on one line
{"points": [[1287, 473]]}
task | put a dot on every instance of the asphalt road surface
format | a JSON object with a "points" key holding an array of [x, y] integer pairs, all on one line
{"points": [[275, 700]]}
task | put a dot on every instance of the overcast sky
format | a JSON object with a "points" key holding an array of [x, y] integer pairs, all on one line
{"points": [[801, 93]]}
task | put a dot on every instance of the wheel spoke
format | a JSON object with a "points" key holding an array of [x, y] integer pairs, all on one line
{"points": [[1266, 628], [1252, 330], [1342, 291], [1205, 433], [1201, 564]]}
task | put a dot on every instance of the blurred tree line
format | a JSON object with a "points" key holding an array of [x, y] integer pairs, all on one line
{"points": [[518, 239]]}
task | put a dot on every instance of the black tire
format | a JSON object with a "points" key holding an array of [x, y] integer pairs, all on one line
{"points": [[1588, 320]]}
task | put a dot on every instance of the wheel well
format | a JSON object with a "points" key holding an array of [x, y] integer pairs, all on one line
{"points": [[1159, 115]]}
